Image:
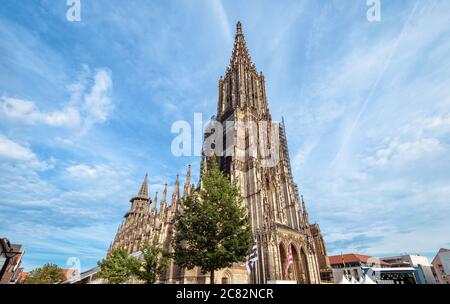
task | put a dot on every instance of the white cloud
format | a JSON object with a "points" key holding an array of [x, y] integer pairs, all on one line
{"points": [[222, 18], [83, 171], [96, 105], [415, 141], [24, 156], [396, 152], [303, 154], [12, 150], [27, 112], [439, 123]]}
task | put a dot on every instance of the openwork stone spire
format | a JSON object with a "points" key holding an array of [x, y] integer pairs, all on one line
{"points": [[143, 191], [242, 87], [240, 53]]}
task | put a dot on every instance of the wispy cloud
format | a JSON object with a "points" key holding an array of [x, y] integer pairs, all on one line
{"points": [[222, 18], [10, 149], [82, 111]]}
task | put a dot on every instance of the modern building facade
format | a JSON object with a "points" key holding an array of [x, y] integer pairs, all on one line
{"points": [[277, 212], [424, 272], [392, 275], [441, 266]]}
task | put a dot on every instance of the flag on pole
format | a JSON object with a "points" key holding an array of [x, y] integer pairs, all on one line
{"points": [[252, 258], [290, 260]]}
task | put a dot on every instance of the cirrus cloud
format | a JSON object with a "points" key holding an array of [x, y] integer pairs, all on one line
{"points": [[95, 106]]}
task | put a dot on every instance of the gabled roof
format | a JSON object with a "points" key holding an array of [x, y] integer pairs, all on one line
{"points": [[354, 258]]}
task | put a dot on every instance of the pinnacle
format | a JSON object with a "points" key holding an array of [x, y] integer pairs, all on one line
{"points": [[143, 191]]}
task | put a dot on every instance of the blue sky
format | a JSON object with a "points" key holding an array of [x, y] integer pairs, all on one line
{"points": [[86, 109]]}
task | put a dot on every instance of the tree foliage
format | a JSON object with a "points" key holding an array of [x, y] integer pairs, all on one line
{"points": [[116, 267], [212, 231], [153, 264], [47, 274]]}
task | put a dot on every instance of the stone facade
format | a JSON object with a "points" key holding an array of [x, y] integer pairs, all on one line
{"points": [[278, 215]]}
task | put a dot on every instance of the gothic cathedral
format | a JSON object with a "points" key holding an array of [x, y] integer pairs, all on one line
{"points": [[277, 212]]}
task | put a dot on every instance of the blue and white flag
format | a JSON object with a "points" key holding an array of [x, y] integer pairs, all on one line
{"points": [[252, 258]]}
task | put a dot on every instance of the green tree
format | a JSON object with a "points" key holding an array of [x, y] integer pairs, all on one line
{"points": [[116, 267], [212, 231], [152, 265], [47, 274]]}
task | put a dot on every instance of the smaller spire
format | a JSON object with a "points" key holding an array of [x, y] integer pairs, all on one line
{"points": [[187, 184], [176, 190], [143, 191], [305, 212], [155, 200], [188, 174], [163, 201], [176, 196]]}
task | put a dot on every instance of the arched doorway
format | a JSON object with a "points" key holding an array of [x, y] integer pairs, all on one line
{"points": [[227, 277], [297, 269], [304, 260], [283, 258], [300, 266]]}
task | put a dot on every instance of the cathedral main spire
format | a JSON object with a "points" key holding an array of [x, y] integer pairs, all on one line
{"points": [[242, 86], [240, 53]]}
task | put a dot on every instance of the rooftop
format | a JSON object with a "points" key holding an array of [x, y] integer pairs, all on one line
{"points": [[349, 258]]}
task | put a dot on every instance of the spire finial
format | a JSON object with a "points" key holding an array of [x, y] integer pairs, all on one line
{"points": [[143, 191], [238, 28]]}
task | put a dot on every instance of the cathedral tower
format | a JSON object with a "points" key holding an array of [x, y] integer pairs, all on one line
{"points": [[256, 154]]}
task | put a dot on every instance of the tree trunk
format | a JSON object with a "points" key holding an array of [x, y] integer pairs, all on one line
{"points": [[211, 277]]}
